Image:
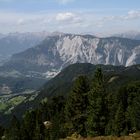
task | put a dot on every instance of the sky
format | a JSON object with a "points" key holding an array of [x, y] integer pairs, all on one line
{"points": [[72, 16]]}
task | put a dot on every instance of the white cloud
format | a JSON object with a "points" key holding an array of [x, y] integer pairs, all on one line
{"points": [[68, 17], [64, 1], [65, 16], [72, 21], [20, 21], [133, 14]]}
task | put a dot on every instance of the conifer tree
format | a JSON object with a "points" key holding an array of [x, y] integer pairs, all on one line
{"points": [[119, 121], [1, 131], [13, 133], [39, 127], [97, 110], [28, 125], [76, 106]]}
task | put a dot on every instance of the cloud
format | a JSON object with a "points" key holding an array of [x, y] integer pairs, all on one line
{"points": [[71, 21], [65, 1], [65, 16], [20, 21], [68, 17], [133, 14]]}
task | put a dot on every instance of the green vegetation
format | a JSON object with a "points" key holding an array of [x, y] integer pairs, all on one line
{"points": [[97, 109], [93, 108], [7, 105], [75, 136], [76, 105]]}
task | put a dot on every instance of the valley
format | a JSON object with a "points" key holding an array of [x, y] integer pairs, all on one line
{"points": [[45, 74], [34, 66]]}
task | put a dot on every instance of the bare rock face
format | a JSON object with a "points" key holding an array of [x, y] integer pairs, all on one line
{"points": [[47, 124]]}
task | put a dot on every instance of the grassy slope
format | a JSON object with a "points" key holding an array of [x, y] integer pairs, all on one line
{"points": [[130, 137]]}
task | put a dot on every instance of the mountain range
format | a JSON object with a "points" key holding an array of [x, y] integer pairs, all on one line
{"points": [[58, 51], [129, 34], [17, 42], [47, 58]]}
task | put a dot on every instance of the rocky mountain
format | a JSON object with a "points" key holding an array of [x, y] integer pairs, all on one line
{"points": [[57, 51], [17, 42]]}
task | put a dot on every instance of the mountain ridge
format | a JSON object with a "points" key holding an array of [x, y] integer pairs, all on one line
{"points": [[129, 34], [60, 50], [68, 49]]}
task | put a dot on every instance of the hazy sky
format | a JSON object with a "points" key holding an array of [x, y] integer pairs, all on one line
{"points": [[76, 16]]}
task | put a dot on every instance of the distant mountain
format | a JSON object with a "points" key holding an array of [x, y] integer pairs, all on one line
{"points": [[2, 35], [131, 35], [17, 42], [59, 50], [14, 43]]}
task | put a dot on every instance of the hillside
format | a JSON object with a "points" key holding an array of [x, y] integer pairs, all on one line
{"points": [[90, 100], [115, 77]]}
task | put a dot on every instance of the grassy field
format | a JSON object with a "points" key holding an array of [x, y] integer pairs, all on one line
{"points": [[7, 105], [135, 136]]}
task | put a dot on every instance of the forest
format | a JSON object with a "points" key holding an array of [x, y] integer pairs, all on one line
{"points": [[90, 109]]}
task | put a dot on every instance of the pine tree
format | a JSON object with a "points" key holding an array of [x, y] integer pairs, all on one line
{"points": [[133, 110], [53, 111], [13, 133], [28, 125], [129, 97], [97, 106], [137, 112], [39, 128], [120, 122], [76, 106], [1, 131]]}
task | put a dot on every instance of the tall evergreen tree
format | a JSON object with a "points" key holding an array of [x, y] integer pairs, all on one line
{"points": [[28, 126], [13, 133], [137, 111], [120, 127], [53, 111], [76, 106], [39, 128], [97, 106], [133, 109], [1, 131]]}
